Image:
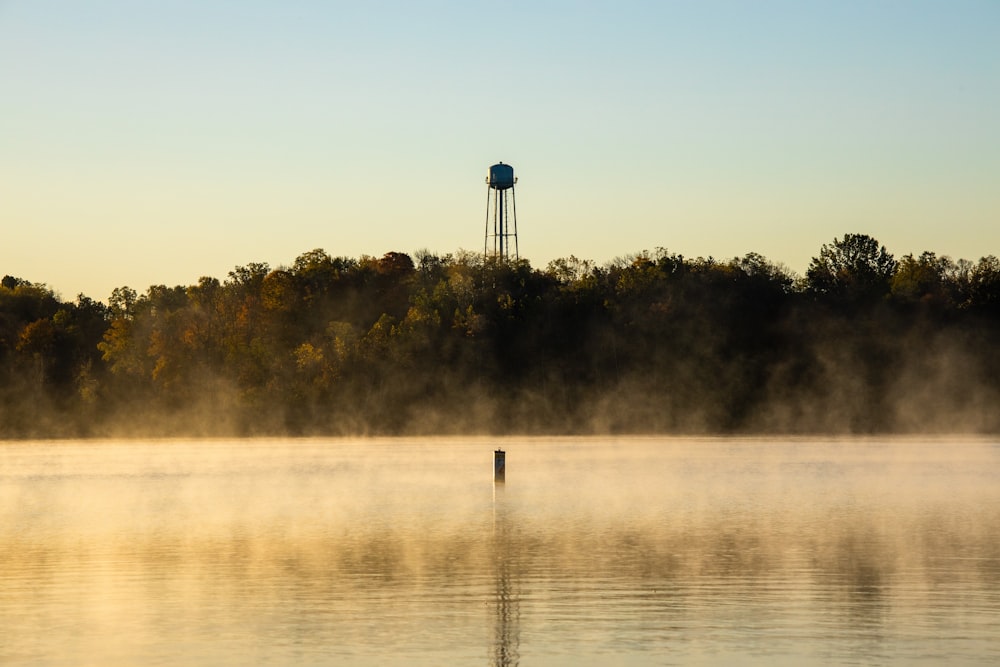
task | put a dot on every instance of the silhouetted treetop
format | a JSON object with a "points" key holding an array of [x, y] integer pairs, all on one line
{"points": [[854, 267]]}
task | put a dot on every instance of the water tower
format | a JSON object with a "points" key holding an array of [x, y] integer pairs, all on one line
{"points": [[501, 212]]}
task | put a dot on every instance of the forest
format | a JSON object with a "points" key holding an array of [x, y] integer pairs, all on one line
{"points": [[458, 344]]}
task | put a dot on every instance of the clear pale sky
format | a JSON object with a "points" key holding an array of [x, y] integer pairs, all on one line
{"points": [[154, 142]]}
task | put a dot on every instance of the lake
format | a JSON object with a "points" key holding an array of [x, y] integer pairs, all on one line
{"points": [[596, 551]]}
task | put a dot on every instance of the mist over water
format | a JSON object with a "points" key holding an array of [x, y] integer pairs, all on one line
{"points": [[459, 344], [595, 551]]}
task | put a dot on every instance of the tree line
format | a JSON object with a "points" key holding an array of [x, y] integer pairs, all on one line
{"points": [[455, 343]]}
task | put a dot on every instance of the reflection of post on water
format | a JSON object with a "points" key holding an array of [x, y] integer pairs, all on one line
{"points": [[506, 624]]}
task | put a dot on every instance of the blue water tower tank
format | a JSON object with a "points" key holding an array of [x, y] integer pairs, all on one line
{"points": [[501, 176]]}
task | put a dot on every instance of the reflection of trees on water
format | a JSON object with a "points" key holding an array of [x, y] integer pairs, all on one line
{"points": [[652, 578], [506, 642], [862, 562]]}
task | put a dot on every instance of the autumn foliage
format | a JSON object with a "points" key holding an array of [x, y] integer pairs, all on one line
{"points": [[654, 342]]}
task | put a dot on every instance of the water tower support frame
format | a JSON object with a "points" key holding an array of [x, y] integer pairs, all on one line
{"points": [[503, 213]]}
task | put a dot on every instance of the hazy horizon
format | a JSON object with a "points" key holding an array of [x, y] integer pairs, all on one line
{"points": [[153, 144]]}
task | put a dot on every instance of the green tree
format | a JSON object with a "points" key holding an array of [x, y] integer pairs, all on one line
{"points": [[984, 285], [854, 268], [924, 279], [121, 304]]}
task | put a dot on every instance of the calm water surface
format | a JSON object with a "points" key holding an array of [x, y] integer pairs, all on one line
{"points": [[636, 551]]}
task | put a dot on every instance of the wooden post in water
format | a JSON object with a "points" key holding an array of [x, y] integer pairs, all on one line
{"points": [[499, 465]]}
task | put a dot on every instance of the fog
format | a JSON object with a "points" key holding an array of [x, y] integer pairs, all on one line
{"points": [[402, 549], [933, 384], [455, 344]]}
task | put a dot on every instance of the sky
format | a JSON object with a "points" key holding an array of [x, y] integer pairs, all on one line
{"points": [[152, 142]]}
